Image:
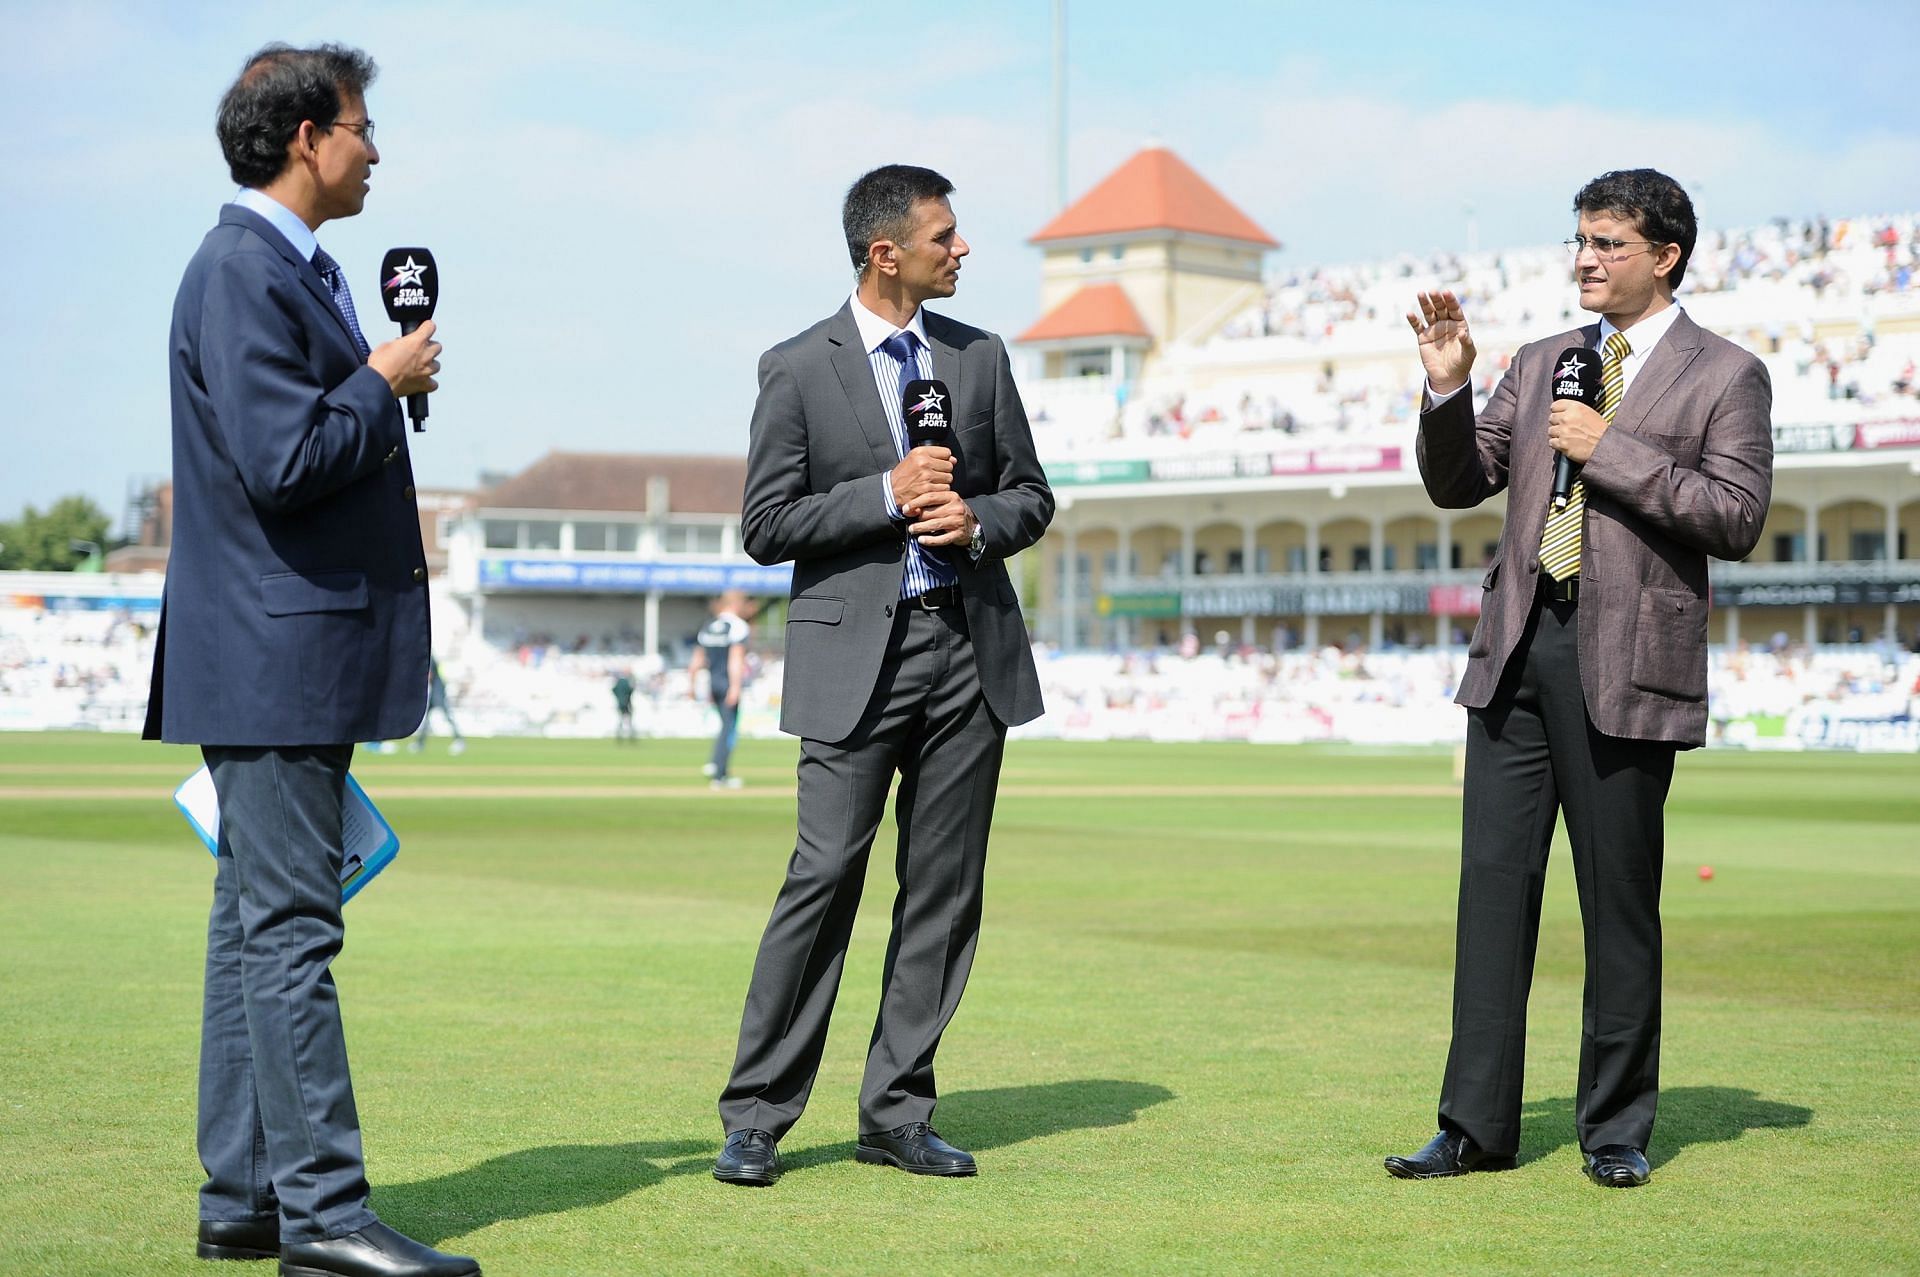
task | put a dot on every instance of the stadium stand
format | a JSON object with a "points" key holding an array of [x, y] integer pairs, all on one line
{"points": [[1340, 365], [1151, 592]]}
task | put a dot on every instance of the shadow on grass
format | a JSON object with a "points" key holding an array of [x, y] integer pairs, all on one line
{"points": [[563, 1177], [1003, 1115], [1687, 1115], [533, 1181]]}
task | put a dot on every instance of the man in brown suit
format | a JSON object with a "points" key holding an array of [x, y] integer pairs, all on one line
{"points": [[1588, 668]]}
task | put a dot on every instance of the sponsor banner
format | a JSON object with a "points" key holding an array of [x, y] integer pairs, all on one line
{"points": [[1296, 600], [1163, 605], [1822, 728], [1339, 459], [1816, 594], [1454, 600], [87, 602], [1892, 432], [633, 578], [1071, 473], [1273, 600], [1812, 438], [1901, 433]]}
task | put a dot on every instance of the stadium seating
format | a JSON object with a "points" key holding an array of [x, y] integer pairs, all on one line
{"points": [[1325, 352], [88, 670]]}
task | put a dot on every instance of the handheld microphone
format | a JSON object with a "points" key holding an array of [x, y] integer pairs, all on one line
{"points": [[923, 409], [410, 289], [1576, 377]]}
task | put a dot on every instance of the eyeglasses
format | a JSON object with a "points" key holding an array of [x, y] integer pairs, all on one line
{"points": [[363, 127], [1603, 248]]}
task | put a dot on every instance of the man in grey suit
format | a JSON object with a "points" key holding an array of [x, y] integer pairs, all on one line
{"points": [[905, 653], [294, 623], [1588, 668]]}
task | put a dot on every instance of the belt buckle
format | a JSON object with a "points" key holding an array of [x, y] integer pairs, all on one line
{"points": [[933, 600]]}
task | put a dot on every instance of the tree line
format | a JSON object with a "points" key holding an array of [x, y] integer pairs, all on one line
{"points": [[70, 534]]}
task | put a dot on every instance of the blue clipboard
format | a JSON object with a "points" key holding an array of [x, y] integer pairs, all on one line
{"points": [[369, 840]]}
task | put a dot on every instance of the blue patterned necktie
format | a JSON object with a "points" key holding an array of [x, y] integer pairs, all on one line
{"points": [[926, 569], [336, 281]]}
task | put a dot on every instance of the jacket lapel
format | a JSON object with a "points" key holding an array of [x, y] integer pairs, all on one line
{"points": [[1671, 356], [946, 360], [302, 268], [856, 379]]}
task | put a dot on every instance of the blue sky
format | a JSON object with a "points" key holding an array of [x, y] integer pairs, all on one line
{"points": [[630, 201]]}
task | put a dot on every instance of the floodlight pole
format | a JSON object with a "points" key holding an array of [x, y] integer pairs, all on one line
{"points": [[1059, 105]]}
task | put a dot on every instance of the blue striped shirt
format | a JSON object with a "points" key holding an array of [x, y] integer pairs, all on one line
{"points": [[919, 576]]}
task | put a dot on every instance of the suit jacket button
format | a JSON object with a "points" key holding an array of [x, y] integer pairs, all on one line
{"points": [[889, 609], [391, 457], [419, 574], [1533, 567], [407, 492]]}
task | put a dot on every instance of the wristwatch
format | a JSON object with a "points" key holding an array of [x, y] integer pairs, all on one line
{"points": [[977, 543]]}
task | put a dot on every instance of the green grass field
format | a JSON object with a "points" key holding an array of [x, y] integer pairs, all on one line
{"points": [[1211, 994]]}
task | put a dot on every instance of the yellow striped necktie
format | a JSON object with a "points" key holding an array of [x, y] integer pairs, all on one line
{"points": [[1560, 539]]}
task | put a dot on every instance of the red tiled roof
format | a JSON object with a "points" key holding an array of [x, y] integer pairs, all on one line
{"points": [[1098, 310], [1155, 190], [618, 481]]}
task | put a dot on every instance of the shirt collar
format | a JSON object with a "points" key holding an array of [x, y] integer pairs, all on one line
{"points": [[875, 330], [282, 218], [1646, 334]]}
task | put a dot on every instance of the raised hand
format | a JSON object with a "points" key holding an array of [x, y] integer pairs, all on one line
{"points": [[1446, 347]]}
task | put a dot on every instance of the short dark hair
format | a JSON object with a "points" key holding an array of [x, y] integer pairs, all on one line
{"points": [[279, 87], [1654, 201], [880, 206]]}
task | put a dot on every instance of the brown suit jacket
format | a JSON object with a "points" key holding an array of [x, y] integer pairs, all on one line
{"points": [[1684, 471]]}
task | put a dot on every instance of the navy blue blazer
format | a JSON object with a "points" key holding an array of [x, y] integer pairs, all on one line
{"points": [[295, 607]]}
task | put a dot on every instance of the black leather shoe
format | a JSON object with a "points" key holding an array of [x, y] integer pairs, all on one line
{"points": [[1448, 1153], [917, 1149], [374, 1251], [1618, 1166], [750, 1158], [240, 1238]]}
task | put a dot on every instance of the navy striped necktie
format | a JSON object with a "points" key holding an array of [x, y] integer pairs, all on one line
{"points": [[925, 569], [336, 281], [903, 346]]}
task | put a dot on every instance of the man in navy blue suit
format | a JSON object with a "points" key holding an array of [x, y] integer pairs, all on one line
{"points": [[294, 624]]}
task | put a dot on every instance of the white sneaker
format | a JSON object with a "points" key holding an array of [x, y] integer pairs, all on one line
{"points": [[707, 770], [724, 782], [458, 747]]}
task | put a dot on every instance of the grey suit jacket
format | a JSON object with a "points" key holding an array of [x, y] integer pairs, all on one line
{"points": [[819, 444], [1684, 471]]}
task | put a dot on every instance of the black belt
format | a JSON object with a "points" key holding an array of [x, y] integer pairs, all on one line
{"points": [[935, 599], [1567, 591]]}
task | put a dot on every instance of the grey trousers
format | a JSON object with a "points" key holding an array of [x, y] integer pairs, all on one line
{"points": [[1532, 755], [278, 1130], [723, 741], [928, 721]]}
